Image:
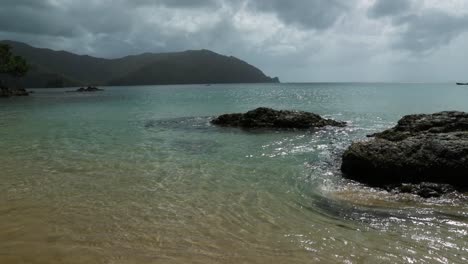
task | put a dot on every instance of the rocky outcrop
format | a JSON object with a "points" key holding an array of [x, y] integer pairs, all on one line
{"points": [[424, 189], [8, 92], [274, 119], [414, 125], [420, 148], [89, 89]]}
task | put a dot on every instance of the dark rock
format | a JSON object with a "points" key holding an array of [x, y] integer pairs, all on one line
{"points": [[269, 118], [412, 125], [8, 92], [420, 148], [4, 92], [89, 89], [20, 92], [424, 189]]}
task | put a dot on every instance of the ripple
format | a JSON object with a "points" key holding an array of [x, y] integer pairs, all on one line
{"points": [[184, 123], [126, 177]]}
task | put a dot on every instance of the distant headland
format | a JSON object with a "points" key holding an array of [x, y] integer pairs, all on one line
{"points": [[52, 69]]}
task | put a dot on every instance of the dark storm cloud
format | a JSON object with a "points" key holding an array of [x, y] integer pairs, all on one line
{"points": [[189, 3], [67, 20], [429, 30], [28, 3], [74, 18], [175, 3], [382, 8], [422, 30], [34, 17], [291, 38], [313, 14]]}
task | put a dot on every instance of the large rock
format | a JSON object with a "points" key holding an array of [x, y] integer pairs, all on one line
{"points": [[419, 149], [438, 123], [270, 118]]}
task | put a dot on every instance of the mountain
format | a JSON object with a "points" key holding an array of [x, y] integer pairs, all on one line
{"points": [[61, 69]]}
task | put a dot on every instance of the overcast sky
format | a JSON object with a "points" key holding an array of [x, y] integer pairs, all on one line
{"points": [[297, 40]]}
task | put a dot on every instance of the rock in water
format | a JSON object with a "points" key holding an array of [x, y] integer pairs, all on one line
{"points": [[8, 92], [89, 89], [420, 148], [270, 118], [425, 189], [438, 123]]}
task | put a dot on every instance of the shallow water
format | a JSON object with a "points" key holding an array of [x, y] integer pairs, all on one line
{"points": [[138, 175]]}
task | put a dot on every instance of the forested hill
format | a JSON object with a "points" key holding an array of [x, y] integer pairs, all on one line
{"points": [[60, 68]]}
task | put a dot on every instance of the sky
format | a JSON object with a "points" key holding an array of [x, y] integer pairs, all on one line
{"points": [[296, 40]]}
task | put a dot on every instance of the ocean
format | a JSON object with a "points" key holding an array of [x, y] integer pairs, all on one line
{"points": [[139, 175]]}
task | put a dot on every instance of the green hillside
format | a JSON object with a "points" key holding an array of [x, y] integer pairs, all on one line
{"points": [[61, 69]]}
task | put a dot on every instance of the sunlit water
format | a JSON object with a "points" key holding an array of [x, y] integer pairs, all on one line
{"points": [[138, 175]]}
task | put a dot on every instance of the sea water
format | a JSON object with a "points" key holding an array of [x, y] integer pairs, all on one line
{"points": [[139, 175]]}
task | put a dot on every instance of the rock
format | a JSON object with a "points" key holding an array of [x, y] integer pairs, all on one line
{"points": [[20, 92], [270, 118], [425, 189], [8, 92], [4, 92], [89, 89], [420, 148], [412, 125]]}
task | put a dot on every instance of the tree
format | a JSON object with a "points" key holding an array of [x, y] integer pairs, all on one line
{"points": [[15, 66]]}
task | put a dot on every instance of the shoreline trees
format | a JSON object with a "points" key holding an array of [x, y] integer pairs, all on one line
{"points": [[11, 66]]}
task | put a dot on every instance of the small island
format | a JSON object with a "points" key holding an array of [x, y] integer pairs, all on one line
{"points": [[89, 89], [275, 119]]}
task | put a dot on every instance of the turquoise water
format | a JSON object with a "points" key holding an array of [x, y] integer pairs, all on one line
{"points": [[138, 175]]}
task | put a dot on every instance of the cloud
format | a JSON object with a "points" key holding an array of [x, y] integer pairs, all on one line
{"points": [[300, 40], [422, 27], [310, 14], [382, 8], [25, 3], [175, 3], [34, 17], [429, 30], [189, 3]]}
